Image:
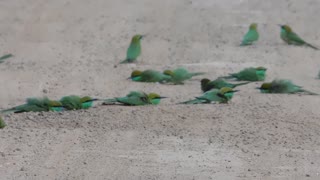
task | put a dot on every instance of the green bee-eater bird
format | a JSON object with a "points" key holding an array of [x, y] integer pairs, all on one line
{"points": [[222, 95], [249, 74], [219, 83], [2, 123], [281, 86], [36, 105], [290, 37], [180, 74], [75, 102], [251, 36], [149, 76], [4, 57], [135, 98], [134, 49]]}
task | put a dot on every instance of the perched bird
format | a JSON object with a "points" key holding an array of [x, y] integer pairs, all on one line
{"points": [[290, 37], [180, 74], [249, 74], [149, 76], [75, 102], [135, 98], [282, 86], [219, 83], [4, 57], [222, 95], [2, 123], [251, 36], [134, 49], [36, 105]]}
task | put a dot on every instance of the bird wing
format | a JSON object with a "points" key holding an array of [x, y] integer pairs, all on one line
{"points": [[133, 51], [71, 102], [295, 39], [249, 37]]}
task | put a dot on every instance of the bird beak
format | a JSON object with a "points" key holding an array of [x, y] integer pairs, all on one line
{"points": [[258, 87], [95, 99], [142, 36], [163, 97], [235, 91], [280, 25], [129, 78]]}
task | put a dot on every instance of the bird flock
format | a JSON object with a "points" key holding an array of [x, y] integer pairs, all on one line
{"points": [[218, 90]]}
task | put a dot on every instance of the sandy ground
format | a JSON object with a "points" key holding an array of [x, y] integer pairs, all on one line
{"points": [[65, 47]]}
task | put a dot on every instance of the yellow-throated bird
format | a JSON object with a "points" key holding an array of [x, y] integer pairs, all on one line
{"points": [[134, 49], [290, 37]]}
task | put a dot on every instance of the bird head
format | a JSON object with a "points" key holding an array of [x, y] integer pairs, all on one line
{"points": [[55, 103], [168, 72], [204, 82], [155, 98], [286, 28], [226, 93], [265, 86], [136, 73], [260, 68], [253, 26], [136, 38]]}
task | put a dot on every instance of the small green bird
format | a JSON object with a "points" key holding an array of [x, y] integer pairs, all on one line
{"points": [[36, 105], [290, 37], [281, 86], [251, 36], [249, 74], [4, 57], [222, 95], [149, 76], [134, 49], [75, 102], [219, 83], [135, 98], [2, 123], [180, 74]]}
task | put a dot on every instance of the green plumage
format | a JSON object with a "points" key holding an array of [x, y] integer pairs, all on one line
{"points": [[149, 76], [134, 49], [222, 95], [290, 37], [282, 86], [2, 123], [251, 36], [75, 102], [36, 105], [249, 74], [219, 83], [4, 57], [181, 74], [135, 98]]}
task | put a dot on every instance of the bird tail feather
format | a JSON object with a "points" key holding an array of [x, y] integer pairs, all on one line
{"points": [[124, 61], [194, 101], [197, 73], [127, 61], [310, 93], [109, 101], [2, 58], [7, 111], [240, 84], [313, 47], [227, 77]]}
